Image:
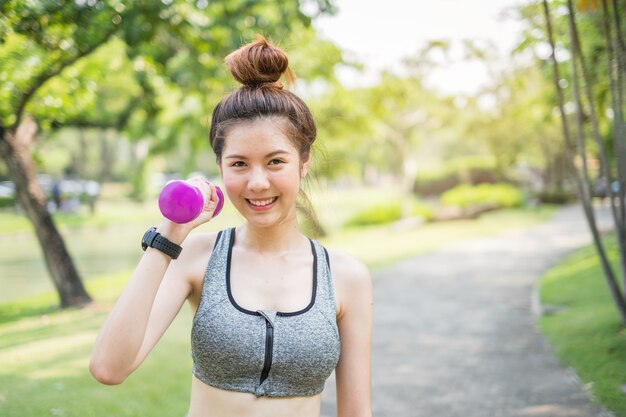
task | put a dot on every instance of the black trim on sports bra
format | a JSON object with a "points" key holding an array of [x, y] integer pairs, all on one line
{"points": [[278, 313], [217, 240]]}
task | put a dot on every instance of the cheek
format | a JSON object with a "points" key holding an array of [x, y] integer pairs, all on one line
{"points": [[231, 184], [288, 180]]}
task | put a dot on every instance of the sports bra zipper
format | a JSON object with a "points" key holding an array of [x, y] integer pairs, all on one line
{"points": [[269, 349]]}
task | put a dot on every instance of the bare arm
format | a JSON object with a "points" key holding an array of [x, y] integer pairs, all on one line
{"points": [[151, 300], [353, 374]]}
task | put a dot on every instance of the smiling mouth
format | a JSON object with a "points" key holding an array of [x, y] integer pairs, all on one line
{"points": [[262, 203]]}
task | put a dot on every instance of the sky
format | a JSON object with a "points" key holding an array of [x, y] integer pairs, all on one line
{"points": [[379, 33]]}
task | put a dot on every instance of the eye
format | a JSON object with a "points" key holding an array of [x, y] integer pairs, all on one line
{"points": [[238, 164], [276, 162]]}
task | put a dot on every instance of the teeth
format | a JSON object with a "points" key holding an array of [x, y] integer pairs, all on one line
{"points": [[261, 203]]}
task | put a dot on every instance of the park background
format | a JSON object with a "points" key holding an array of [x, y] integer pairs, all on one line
{"points": [[426, 138]]}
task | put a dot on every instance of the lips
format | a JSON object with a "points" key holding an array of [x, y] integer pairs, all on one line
{"points": [[261, 203]]}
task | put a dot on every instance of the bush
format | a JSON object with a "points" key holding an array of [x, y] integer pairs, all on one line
{"points": [[432, 184], [466, 170], [483, 195], [423, 210], [7, 202], [388, 213], [379, 214], [556, 197]]}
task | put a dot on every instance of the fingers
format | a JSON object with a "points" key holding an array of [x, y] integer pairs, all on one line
{"points": [[178, 230], [209, 194], [210, 202]]}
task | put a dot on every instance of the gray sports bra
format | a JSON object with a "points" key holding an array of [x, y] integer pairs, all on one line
{"points": [[266, 353]]}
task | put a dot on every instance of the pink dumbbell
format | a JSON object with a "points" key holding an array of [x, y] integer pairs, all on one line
{"points": [[182, 202]]}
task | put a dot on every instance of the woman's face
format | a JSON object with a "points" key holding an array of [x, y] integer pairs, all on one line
{"points": [[261, 171]]}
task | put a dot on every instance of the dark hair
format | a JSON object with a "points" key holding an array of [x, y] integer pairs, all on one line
{"points": [[259, 66]]}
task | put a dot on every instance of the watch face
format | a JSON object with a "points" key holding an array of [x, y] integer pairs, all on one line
{"points": [[148, 237]]}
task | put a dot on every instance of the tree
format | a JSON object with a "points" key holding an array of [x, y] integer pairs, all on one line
{"points": [[408, 117], [176, 47], [586, 119]]}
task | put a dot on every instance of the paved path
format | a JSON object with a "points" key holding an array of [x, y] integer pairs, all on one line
{"points": [[455, 334]]}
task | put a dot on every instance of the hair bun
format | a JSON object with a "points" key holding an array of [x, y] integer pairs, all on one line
{"points": [[259, 63]]}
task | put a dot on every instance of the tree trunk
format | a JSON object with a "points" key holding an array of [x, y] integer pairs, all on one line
{"points": [[106, 158], [14, 148], [615, 57], [581, 177], [81, 159]]}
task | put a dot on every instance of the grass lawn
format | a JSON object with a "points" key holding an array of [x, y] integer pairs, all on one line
{"points": [[44, 352], [587, 334], [44, 355]]}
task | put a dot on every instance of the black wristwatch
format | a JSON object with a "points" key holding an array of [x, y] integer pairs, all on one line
{"points": [[155, 240]]}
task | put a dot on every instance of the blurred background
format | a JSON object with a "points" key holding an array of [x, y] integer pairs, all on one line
{"points": [[437, 122]]}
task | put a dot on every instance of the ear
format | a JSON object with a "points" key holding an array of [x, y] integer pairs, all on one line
{"points": [[304, 169]]}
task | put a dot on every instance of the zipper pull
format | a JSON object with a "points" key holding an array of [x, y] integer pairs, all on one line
{"points": [[268, 316]]}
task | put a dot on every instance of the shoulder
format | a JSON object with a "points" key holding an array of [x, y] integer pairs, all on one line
{"points": [[197, 243], [197, 249], [346, 267], [193, 260], [352, 280]]}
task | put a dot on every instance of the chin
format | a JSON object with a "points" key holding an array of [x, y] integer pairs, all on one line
{"points": [[267, 222], [264, 223]]}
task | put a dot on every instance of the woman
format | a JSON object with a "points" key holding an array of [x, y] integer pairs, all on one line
{"points": [[275, 313]]}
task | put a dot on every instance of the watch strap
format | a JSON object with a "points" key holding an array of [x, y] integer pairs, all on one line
{"points": [[155, 240]]}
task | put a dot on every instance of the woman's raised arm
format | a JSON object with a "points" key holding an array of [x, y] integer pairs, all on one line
{"points": [[151, 300]]}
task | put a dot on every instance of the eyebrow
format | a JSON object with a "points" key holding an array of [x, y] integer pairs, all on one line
{"points": [[269, 155]]}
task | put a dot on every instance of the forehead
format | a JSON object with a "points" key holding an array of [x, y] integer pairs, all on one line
{"points": [[261, 135]]}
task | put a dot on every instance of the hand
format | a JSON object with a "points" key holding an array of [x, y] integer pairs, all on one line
{"points": [[177, 232]]}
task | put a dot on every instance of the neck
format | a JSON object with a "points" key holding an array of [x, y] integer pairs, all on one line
{"points": [[281, 238]]}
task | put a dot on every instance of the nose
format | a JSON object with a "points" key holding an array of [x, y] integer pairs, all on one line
{"points": [[258, 180]]}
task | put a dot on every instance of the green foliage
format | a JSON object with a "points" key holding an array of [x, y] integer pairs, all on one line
{"points": [[151, 70], [7, 202], [383, 128], [94, 91], [586, 333], [483, 195], [40, 39], [468, 170], [434, 183], [556, 196], [409, 120], [423, 210], [139, 182], [388, 213], [108, 60], [343, 120], [542, 93], [379, 214]]}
